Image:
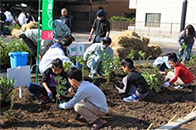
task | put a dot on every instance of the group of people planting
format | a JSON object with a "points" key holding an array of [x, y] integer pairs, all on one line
{"points": [[89, 101]]}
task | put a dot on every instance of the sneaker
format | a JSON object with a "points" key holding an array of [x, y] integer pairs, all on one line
{"points": [[97, 124], [80, 118], [132, 98], [179, 87]]}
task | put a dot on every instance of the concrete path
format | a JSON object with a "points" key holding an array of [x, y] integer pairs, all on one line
{"points": [[178, 122]]}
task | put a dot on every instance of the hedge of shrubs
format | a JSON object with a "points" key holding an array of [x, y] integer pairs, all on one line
{"points": [[12, 46], [121, 18]]}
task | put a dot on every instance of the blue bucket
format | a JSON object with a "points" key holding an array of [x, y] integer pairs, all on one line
{"points": [[18, 59]]}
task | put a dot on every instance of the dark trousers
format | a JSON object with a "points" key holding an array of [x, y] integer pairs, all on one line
{"points": [[163, 67], [32, 46], [2, 28], [188, 50], [38, 90], [97, 39]]}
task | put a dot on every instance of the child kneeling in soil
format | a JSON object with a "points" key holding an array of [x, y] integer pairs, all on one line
{"points": [[135, 86], [47, 89], [89, 101], [181, 75]]}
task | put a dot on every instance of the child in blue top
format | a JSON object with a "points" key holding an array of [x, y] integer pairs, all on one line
{"points": [[47, 88]]}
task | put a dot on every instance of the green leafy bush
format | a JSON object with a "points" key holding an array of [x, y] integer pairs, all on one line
{"points": [[121, 18], [61, 87], [14, 45], [6, 87], [151, 79], [83, 63], [107, 66], [11, 27]]}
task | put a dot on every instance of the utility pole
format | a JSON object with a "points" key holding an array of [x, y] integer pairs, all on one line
{"points": [[183, 16]]}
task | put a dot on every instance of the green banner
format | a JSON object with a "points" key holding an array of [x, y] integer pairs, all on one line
{"points": [[47, 15]]}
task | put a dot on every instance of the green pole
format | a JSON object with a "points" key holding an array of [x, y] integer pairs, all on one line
{"points": [[38, 41]]}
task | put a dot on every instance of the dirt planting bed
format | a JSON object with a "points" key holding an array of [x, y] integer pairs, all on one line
{"points": [[157, 109]]}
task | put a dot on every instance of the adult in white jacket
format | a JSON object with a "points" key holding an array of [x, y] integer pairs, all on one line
{"points": [[22, 18]]}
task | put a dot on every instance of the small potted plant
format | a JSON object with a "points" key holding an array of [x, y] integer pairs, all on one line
{"points": [[6, 87]]}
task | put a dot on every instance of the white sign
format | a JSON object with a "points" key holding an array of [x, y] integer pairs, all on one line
{"points": [[76, 49], [22, 76]]}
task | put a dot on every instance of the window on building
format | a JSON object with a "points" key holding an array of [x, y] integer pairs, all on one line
{"points": [[153, 19]]}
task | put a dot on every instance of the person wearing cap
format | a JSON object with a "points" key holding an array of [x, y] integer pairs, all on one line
{"points": [[93, 56], [101, 27], [135, 86]]}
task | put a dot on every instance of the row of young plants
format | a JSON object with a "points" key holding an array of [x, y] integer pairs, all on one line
{"points": [[110, 68]]}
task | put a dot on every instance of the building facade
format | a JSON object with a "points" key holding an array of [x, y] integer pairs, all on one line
{"points": [[161, 16]]}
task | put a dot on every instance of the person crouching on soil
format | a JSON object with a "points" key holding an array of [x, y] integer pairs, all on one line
{"points": [[47, 91], [94, 54], [134, 85], [181, 75], [89, 101]]}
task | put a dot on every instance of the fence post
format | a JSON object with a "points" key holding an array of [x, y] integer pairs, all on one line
{"points": [[171, 29]]}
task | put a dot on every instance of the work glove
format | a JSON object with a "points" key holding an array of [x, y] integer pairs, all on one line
{"points": [[166, 84], [49, 93], [89, 38], [180, 49], [62, 105]]}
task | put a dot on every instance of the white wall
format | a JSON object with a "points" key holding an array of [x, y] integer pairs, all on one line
{"points": [[132, 4], [170, 13]]}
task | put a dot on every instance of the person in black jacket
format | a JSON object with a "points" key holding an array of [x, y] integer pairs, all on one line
{"points": [[47, 90], [30, 17], [101, 27], [135, 86], [3, 18]]}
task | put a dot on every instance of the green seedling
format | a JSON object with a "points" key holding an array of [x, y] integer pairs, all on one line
{"points": [[83, 63], [131, 54], [151, 79], [6, 87], [142, 54], [107, 66]]}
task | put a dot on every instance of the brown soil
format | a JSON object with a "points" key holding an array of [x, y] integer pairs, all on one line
{"points": [[157, 109]]}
